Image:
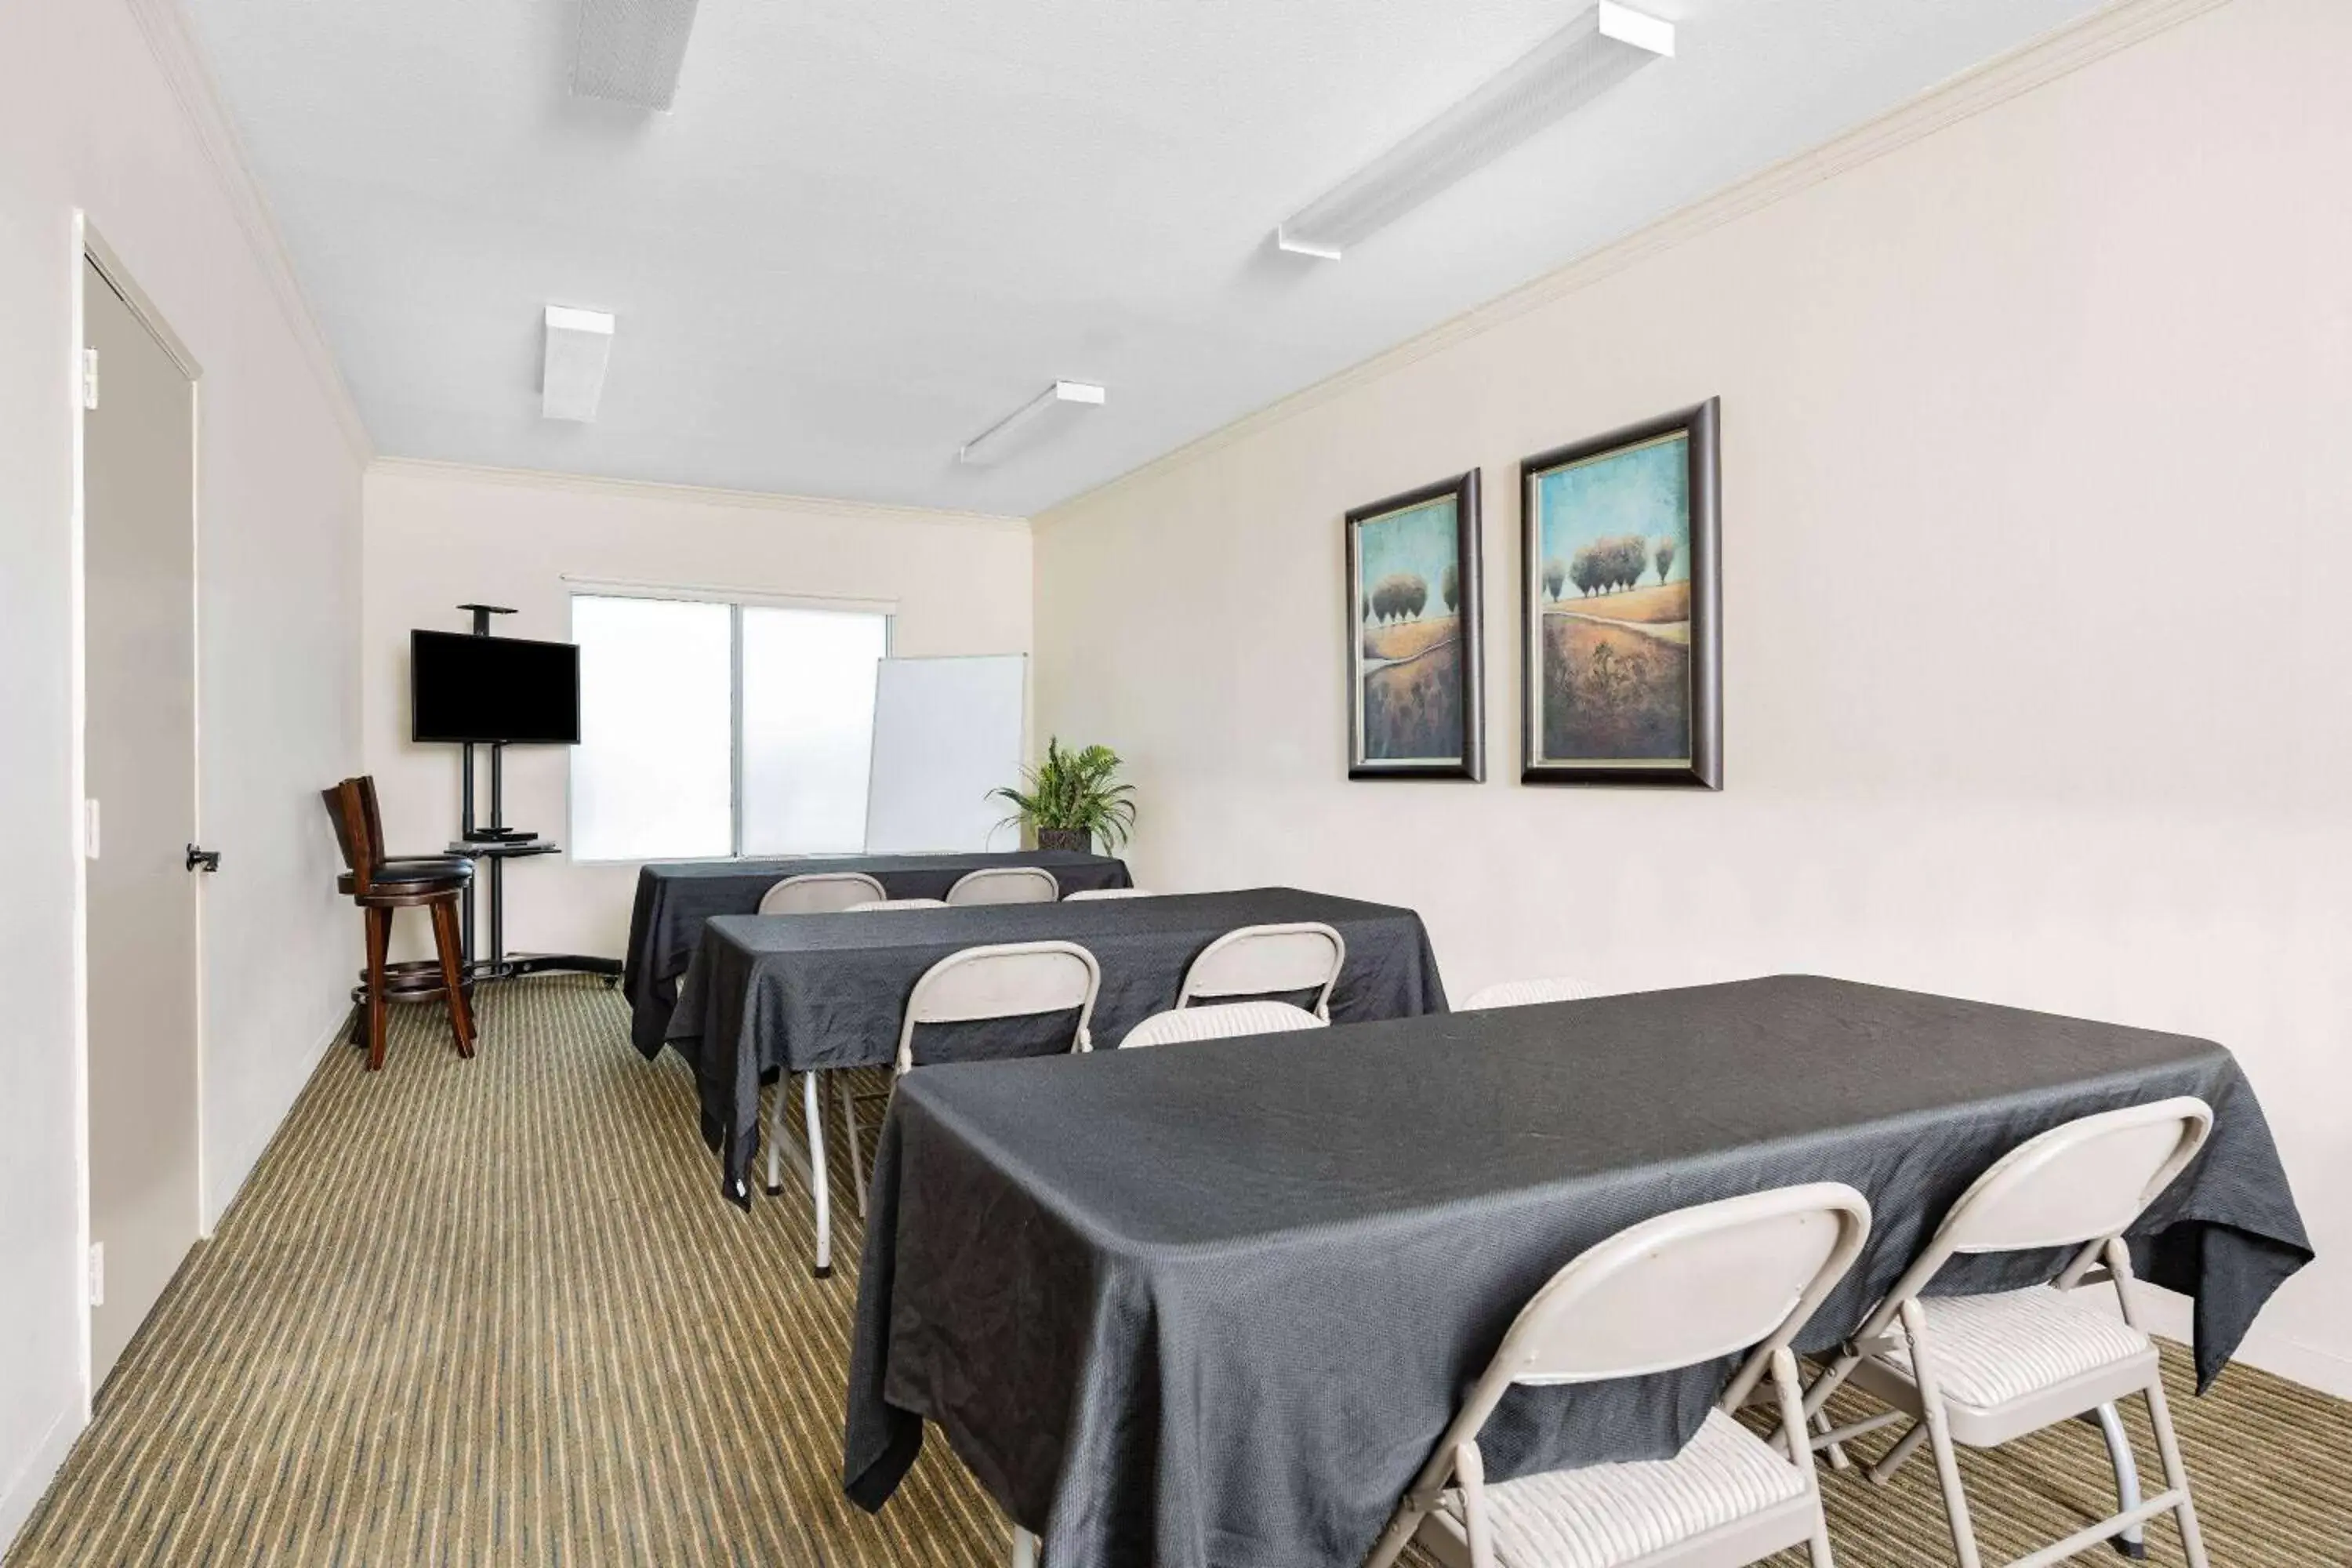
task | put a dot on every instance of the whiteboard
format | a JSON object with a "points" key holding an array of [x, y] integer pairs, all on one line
{"points": [[946, 731]]}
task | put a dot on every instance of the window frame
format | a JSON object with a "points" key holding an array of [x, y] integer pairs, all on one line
{"points": [[737, 600]]}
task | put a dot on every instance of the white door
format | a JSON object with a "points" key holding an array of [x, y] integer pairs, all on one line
{"points": [[139, 751]]}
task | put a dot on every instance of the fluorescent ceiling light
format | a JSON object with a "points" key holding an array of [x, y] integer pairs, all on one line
{"points": [[1570, 70], [631, 50], [578, 345], [993, 442]]}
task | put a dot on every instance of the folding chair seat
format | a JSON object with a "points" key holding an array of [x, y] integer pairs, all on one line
{"points": [[1603, 1515]]}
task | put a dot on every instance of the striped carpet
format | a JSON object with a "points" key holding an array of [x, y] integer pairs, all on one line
{"points": [[494, 1312]]}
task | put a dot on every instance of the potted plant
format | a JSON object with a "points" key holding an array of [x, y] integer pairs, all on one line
{"points": [[1072, 800]]}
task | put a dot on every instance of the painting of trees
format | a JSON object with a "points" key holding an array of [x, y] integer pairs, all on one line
{"points": [[1554, 576], [1620, 677], [1413, 565], [1400, 596]]}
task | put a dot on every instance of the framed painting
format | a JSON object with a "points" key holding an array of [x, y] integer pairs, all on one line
{"points": [[1414, 708], [1621, 612]]}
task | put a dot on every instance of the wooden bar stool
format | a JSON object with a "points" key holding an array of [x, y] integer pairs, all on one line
{"points": [[380, 885]]}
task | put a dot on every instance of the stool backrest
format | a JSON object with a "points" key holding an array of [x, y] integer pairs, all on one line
{"points": [[820, 893], [871, 905], [358, 827], [1081, 895]]}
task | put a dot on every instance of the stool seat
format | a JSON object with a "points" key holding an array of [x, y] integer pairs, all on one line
{"points": [[411, 873]]}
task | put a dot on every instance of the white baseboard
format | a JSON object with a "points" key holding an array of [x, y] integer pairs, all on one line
{"points": [[26, 1487], [290, 1087]]}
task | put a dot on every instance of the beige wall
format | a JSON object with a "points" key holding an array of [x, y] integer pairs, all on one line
{"points": [[2036, 520], [100, 116], [439, 537]]}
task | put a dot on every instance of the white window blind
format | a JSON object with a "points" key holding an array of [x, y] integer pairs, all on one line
{"points": [[710, 728]]}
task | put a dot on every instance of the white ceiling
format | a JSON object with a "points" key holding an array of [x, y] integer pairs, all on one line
{"points": [[873, 227]]}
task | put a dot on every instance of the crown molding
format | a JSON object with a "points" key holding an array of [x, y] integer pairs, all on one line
{"points": [[1972, 92], [699, 495], [191, 81]]}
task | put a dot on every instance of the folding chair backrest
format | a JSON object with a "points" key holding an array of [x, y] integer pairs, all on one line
{"points": [[1269, 960], [1524, 994], [1081, 894], [1005, 885], [1743, 1274], [2083, 1182], [872, 904], [2075, 1185], [1009, 980], [1223, 1021], [821, 893]]}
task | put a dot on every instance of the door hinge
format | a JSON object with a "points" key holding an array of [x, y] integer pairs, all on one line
{"points": [[98, 1274], [89, 828], [89, 378]]}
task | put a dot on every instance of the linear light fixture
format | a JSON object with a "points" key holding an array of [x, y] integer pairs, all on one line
{"points": [[1568, 70], [578, 345], [993, 442], [631, 51]]}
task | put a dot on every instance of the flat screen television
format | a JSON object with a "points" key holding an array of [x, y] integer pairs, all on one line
{"points": [[463, 688]]}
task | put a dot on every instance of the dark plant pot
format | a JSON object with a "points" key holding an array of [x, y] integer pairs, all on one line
{"points": [[1076, 838]]}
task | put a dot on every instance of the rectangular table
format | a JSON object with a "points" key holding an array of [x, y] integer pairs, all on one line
{"points": [[808, 993], [1231, 1292], [673, 900]]}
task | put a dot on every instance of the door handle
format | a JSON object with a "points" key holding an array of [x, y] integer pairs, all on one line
{"points": [[203, 859]]}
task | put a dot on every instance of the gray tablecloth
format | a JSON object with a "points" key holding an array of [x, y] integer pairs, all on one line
{"points": [[1212, 1303], [796, 992], [673, 900]]}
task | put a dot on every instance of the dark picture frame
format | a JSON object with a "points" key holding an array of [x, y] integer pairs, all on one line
{"points": [[1589, 630], [1425, 684]]}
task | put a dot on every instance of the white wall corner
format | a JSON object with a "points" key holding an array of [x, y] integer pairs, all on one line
{"points": [[235, 1167], [25, 1488], [191, 80]]}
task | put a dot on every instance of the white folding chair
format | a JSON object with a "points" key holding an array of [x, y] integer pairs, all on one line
{"points": [[1269, 960], [1076, 895], [1525, 993], [1005, 885], [870, 905], [815, 892], [1981, 1370], [1220, 1022], [1003, 980], [1684, 1288], [820, 893]]}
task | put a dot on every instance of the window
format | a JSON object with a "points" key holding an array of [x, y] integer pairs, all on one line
{"points": [[710, 728]]}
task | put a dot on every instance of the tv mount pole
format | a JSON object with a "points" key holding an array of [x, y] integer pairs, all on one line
{"points": [[496, 844]]}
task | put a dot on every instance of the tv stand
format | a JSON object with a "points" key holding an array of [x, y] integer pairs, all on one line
{"points": [[491, 846]]}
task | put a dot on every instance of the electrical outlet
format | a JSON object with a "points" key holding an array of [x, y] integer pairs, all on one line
{"points": [[98, 1274], [89, 828]]}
